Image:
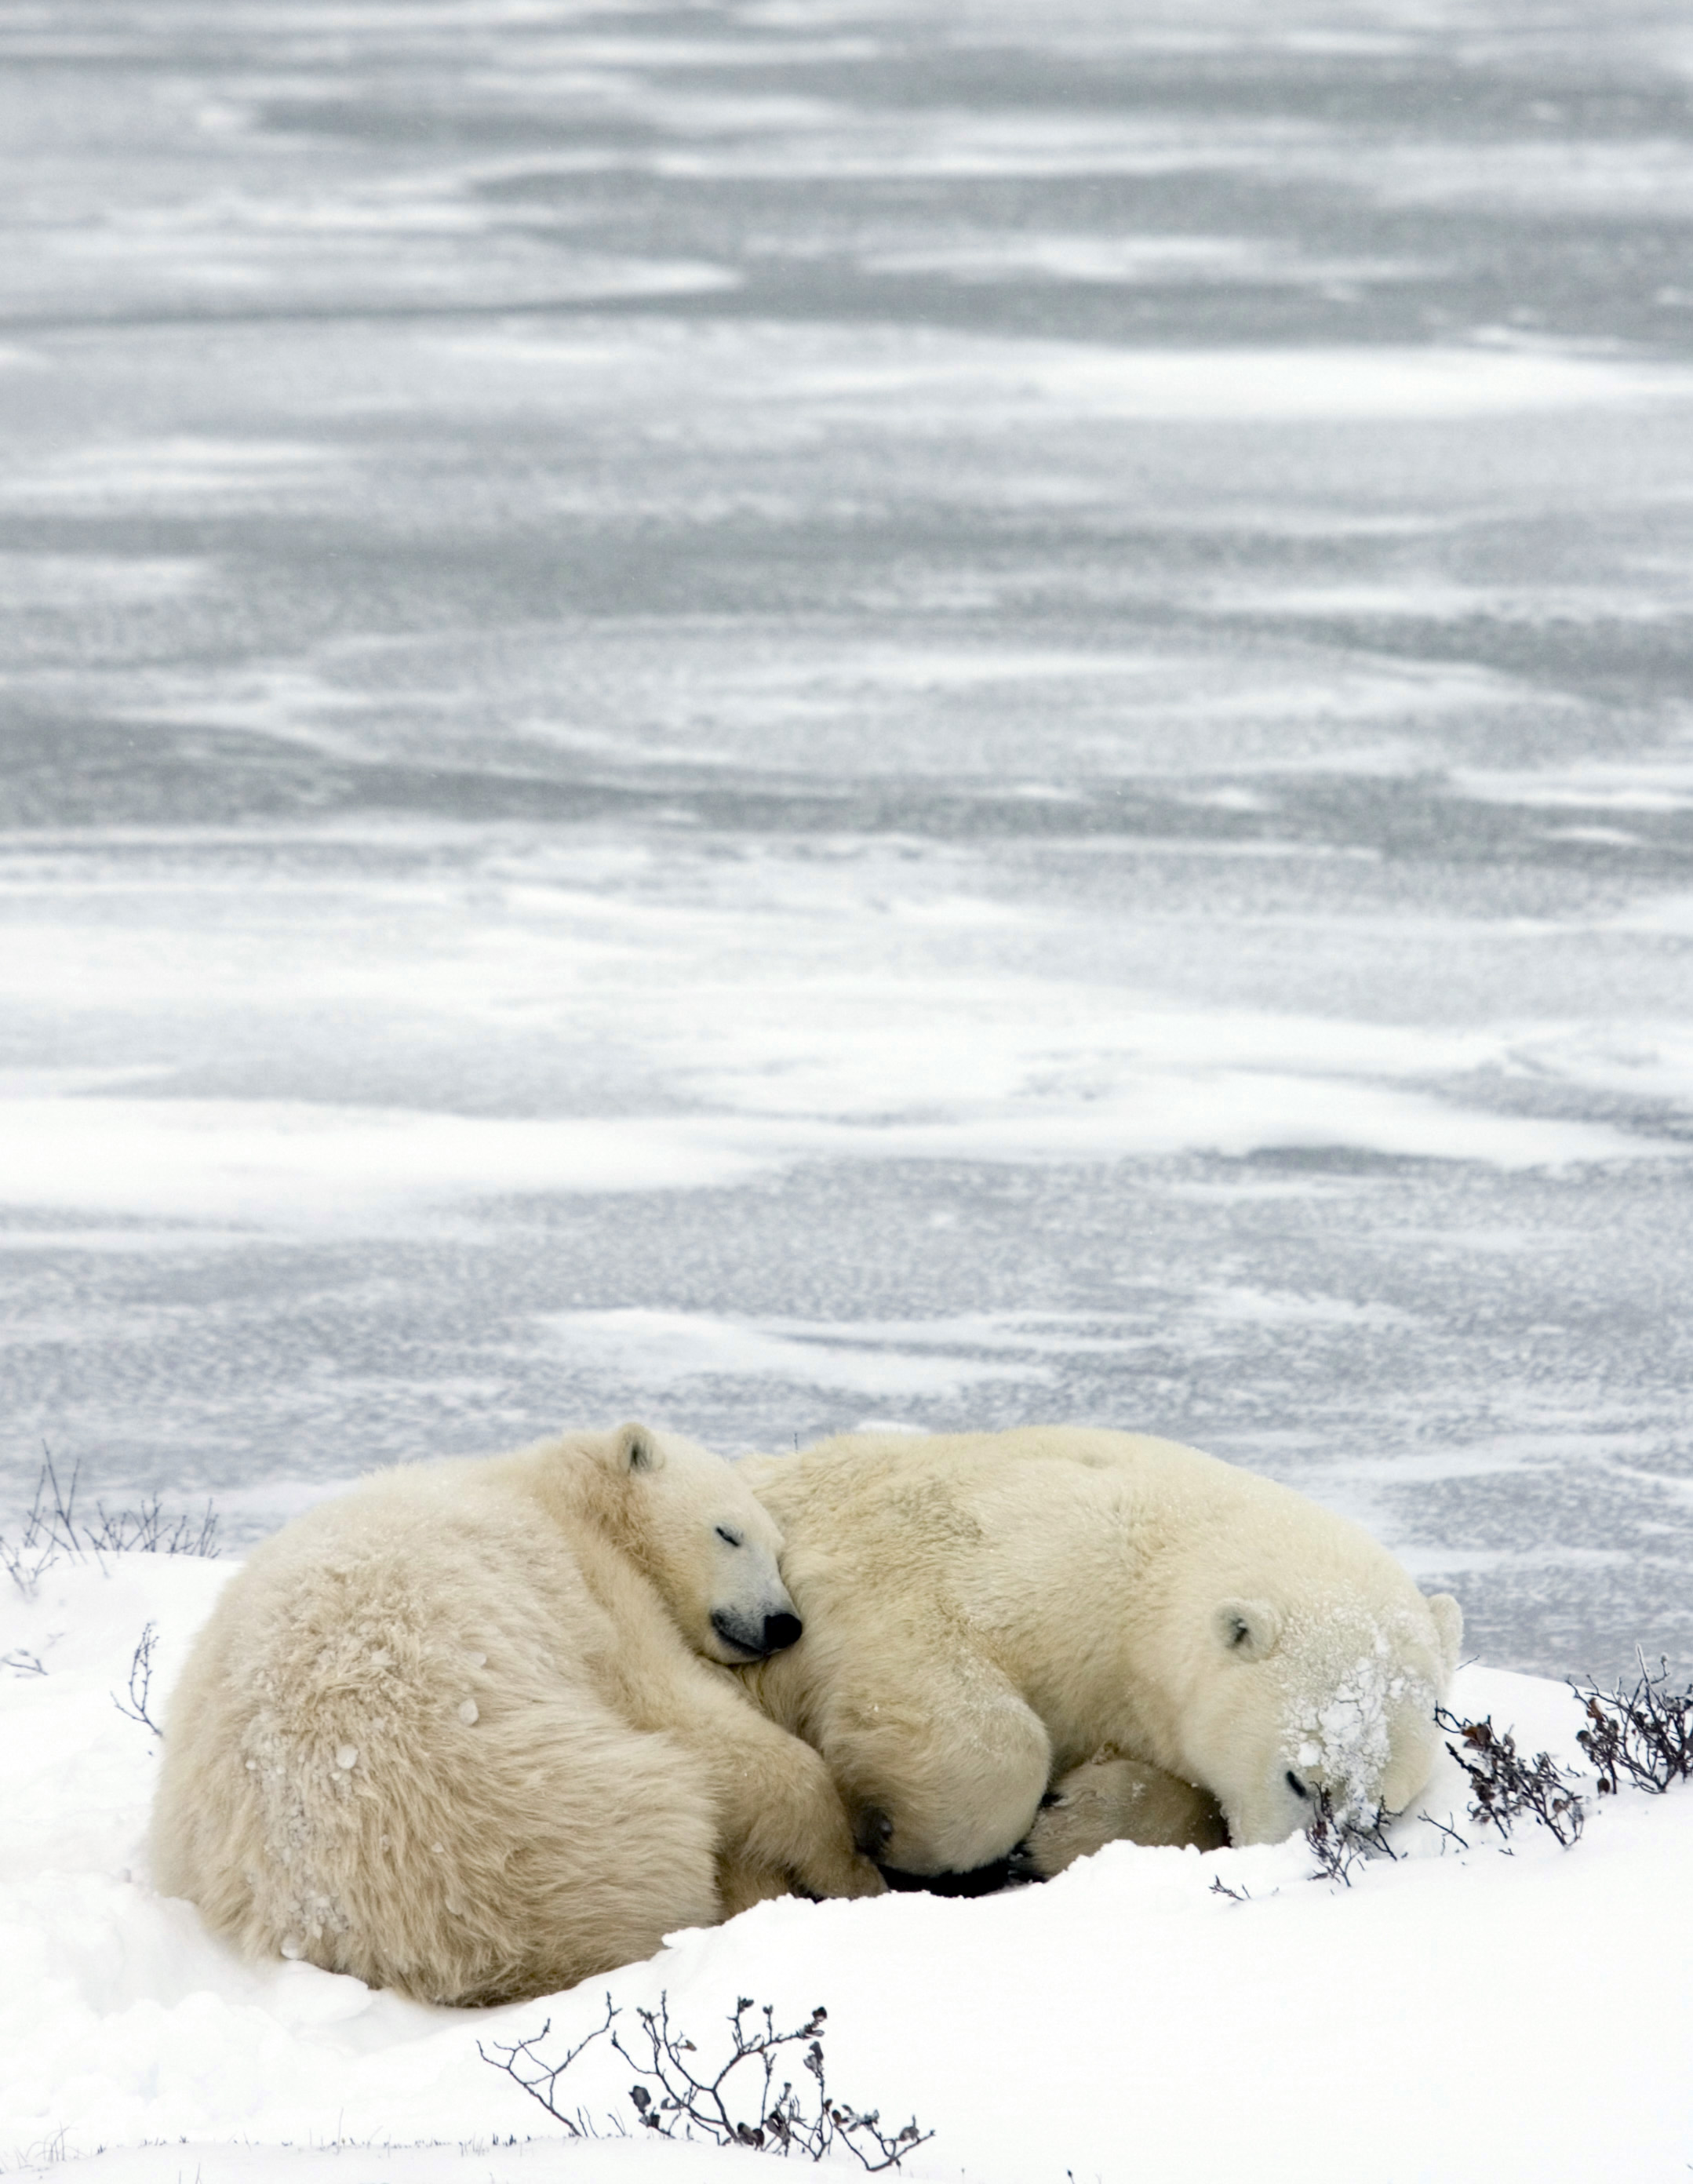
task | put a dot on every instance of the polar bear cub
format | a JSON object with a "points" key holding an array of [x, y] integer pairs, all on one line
{"points": [[470, 1730], [1102, 1616]]}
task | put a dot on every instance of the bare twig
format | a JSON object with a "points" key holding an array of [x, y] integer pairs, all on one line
{"points": [[54, 1531], [1643, 1736], [1449, 1832], [49, 1532], [737, 2103], [141, 1682], [1506, 1788], [147, 1531], [523, 2063], [1338, 1843]]}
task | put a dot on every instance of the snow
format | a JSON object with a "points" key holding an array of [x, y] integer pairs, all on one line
{"points": [[1467, 2012]]}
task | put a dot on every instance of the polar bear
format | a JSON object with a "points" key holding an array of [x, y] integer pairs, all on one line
{"points": [[1114, 1622], [470, 1730]]}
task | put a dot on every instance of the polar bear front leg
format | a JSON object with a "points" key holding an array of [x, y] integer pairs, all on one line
{"points": [[943, 1781], [741, 1884], [1110, 1799], [780, 1814]]}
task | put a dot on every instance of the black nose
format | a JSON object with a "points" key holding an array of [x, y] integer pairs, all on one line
{"points": [[874, 1831], [781, 1630]]}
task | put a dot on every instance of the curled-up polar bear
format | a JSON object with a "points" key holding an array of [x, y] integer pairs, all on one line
{"points": [[1118, 1625], [469, 1730]]}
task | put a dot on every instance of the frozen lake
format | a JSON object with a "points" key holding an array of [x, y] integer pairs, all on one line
{"points": [[785, 714]]}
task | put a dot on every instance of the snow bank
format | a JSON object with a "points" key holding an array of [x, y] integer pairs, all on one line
{"points": [[1459, 2013]]}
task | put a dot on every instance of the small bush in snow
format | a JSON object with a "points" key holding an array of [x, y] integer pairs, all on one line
{"points": [[1644, 1736], [1337, 1843], [56, 1530], [735, 2103], [1506, 1788]]}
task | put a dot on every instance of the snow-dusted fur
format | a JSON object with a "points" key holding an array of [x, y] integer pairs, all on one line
{"points": [[988, 1613], [457, 1732], [1111, 1799]]}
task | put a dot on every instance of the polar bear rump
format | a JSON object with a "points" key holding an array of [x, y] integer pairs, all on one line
{"points": [[458, 1732]]}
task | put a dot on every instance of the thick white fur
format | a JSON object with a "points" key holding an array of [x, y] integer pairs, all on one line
{"points": [[1111, 1799], [986, 1612], [456, 1732]]}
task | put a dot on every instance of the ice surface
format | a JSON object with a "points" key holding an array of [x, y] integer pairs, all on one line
{"points": [[923, 709]]}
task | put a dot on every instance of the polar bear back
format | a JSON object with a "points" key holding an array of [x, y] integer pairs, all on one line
{"points": [[983, 1518], [399, 1749], [1050, 1545], [986, 1611]]}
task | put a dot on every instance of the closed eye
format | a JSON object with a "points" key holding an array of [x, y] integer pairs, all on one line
{"points": [[729, 1539], [1295, 1785]]}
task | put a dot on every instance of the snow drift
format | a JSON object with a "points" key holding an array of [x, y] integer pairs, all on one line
{"points": [[1459, 2013]]}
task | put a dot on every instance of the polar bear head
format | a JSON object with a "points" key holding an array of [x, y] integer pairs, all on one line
{"points": [[1301, 1690], [705, 1540]]}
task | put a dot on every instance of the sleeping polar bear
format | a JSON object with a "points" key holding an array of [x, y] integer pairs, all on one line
{"points": [[1118, 1620], [470, 1732]]}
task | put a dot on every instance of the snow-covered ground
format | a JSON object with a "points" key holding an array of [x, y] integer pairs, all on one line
{"points": [[1459, 2013]]}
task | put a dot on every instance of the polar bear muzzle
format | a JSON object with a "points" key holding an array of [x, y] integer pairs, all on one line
{"points": [[754, 1640]]}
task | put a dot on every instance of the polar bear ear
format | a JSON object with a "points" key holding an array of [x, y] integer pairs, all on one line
{"points": [[1246, 1628], [637, 1448], [1449, 1625]]}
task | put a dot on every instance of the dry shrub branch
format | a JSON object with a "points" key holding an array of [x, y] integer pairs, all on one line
{"points": [[1642, 1736], [141, 1682], [736, 2101], [1338, 1844], [1506, 1788], [56, 1530]]}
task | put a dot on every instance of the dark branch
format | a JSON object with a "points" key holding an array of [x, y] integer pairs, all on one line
{"points": [[737, 2103], [141, 1682], [1506, 1788], [1642, 1736]]}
